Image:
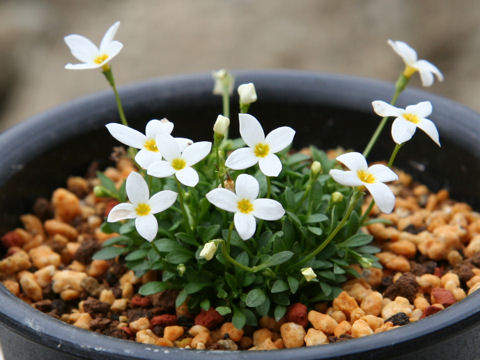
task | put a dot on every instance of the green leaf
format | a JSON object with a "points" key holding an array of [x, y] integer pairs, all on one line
{"points": [[186, 238], [167, 245], [316, 218], [128, 227], [194, 287], [264, 308], [378, 221], [290, 198], [248, 279], [338, 270], [281, 299], [294, 218], [137, 255], [368, 249], [231, 281], [276, 259], [153, 287], [251, 318], [205, 304], [109, 253], [222, 294], [223, 310], [255, 297], [279, 312], [117, 240], [327, 289], [179, 257], [208, 232], [181, 297], [122, 192], [279, 286], [107, 183], [315, 230], [356, 240], [242, 258], [239, 319], [293, 284], [296, 158]]}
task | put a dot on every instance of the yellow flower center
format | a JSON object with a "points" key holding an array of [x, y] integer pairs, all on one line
{"points": [[245, 206], [412, 118], [100, 59], [261, 150], [143, 209], [151, 145], [409, 71], [178, 164], [365, 176]]}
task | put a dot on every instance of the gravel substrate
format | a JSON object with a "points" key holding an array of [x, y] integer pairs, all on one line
{"points": [[430, 255]]}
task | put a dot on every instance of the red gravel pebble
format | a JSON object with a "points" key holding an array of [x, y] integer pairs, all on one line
{"points": [[430, 311], [443, 296], [164, 320], [10, 239], [127, 330], [297, 313], [110, 205], [140, 301], [209, 319]]}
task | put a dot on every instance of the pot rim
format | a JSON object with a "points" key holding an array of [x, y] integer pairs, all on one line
{"points": [[330, 89]]}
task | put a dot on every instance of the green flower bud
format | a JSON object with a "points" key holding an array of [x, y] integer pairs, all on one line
{"points": [[337, 197], [101, 191], [181, 268], [316, 168], [221, 125]]}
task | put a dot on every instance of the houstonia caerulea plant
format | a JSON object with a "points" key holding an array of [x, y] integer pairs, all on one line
{"points": [[247, 226]]}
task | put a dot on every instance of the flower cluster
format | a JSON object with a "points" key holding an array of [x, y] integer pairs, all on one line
{"points": [[245, 225]]}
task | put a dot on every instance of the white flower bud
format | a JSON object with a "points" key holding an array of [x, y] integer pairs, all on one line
{"points": [[337, 197], [316, 167], [308, 273], [247, 93], [223, 81], [181, 268], [209, 249], [221, 125]]}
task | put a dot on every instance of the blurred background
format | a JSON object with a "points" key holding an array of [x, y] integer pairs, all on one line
{"points": [[165, 37]]}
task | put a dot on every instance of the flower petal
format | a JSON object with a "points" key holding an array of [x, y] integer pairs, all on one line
{"points": [[280, 138], [85, 66], [223, 199], [408, 54], [353, 160], [126, 135], [137, 188], [267, 209], [382, 173], [270, 165], [347, 178], [382, 195], [245, 225], [121, 212], [250, 130], [246, 187], [196, 152], [187, 176], [81, 47], [385, 109], [422, 109], [430, 129], [145, 157], [155, 127], [167, 146], [183, 143], [147, 227], [241, 159], [427, 70], [162, 201], [160, 169], [113, 50], [109, 35], [402, 130]]}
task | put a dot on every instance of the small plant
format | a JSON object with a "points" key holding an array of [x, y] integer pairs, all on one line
{"points": [[247, 226]]}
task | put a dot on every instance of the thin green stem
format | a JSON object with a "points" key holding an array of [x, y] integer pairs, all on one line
{"points": [[226, 103], [244, 108], [367, 212], [399, 87], [226, 252], [181, 199], [394, 154], [107, 71], [269, 187], [331, 236]]}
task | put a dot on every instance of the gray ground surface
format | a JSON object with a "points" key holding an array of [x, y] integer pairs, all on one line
{"points": [[164, 37]]}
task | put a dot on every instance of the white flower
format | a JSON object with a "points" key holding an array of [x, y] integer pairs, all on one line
{"points": [[372, 178], [425, 68], [141, 207], [209, 249], [178, 161], [223, 80], [146, 143], [408, 119], [88, 53], [221, 125], [245, 205], [260, 149], [247, 93], [308, 273]]}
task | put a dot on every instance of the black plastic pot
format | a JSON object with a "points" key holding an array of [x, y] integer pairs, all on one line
{"points": [[326, 110]]}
